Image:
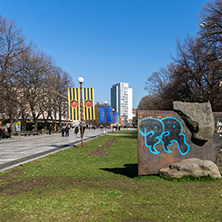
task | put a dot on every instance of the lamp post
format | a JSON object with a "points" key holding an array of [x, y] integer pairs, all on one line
{"points": [[113, 119], [105, 116], [81, 80], [203, 25]]}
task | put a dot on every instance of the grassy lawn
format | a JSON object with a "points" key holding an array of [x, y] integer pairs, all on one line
{"points": [[99, 183]]}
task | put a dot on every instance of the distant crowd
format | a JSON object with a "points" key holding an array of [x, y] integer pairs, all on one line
{"points": [[6, 131], [66, 128]]}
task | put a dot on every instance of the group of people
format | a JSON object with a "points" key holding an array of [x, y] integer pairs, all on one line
{"points": [[5, 131], [66, 128]]}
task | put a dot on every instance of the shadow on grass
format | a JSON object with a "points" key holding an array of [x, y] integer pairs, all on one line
{"points": [[129, 170]]}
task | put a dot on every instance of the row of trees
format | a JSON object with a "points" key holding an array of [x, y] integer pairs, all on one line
{"points": [[30, 83], [195, 75]]}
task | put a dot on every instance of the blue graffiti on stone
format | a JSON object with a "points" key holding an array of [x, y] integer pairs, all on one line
{"points": [[173, 133], [152, 130], [164, 131]]}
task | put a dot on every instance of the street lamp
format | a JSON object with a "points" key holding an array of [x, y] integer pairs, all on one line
{"points": [[105, 116], [203, 24], [81, 80]]}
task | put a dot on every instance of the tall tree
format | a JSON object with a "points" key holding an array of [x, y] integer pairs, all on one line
{"points": [[12, 47], [58, 83], [196, 73], [34, 69]]}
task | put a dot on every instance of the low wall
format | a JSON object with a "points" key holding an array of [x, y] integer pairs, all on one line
{"points": [[163, 139]]}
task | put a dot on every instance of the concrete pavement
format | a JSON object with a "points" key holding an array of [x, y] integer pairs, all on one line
{"points": [[22, 149]]}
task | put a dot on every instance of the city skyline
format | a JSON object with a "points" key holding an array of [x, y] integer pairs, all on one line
{"points": [[107, 41]]}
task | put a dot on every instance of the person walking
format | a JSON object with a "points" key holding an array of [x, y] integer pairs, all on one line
{"points": [[63, 130], [4, 132], [9, 131], [76, 130], [50, 129], [67, 130]]}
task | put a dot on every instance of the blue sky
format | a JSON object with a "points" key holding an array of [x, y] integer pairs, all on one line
{"points": [[107, 41]]}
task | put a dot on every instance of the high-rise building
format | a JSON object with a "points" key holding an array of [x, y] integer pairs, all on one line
{"points": [[122, 99]]}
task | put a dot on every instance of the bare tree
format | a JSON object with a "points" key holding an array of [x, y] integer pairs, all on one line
{"points": [[159, 87], [12, 47], [196, 73], [148, 103], [58, 83], [211, 26], [34, 69], [30, 85]]}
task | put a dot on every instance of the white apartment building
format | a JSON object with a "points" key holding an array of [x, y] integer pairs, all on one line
{"points": [[122, 100]]}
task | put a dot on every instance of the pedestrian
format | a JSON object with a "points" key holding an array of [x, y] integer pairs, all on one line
{"points": [[76, 130], [67, 130], [50, 129], [4, 132], [63, 130], [9, 131]]}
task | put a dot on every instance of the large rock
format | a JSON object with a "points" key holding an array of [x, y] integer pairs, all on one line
{"points": [[198, 118], [219, 160], [193, 167]]}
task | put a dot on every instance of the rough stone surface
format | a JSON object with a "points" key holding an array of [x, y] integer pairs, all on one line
{"points": [[198, 118], [193, 167], [219, 161]]}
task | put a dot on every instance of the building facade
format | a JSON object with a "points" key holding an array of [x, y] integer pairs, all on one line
{"points": [[122, 100], [51, 108]]}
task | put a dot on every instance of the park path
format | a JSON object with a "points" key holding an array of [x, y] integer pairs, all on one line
{"points": [[22, 149]]}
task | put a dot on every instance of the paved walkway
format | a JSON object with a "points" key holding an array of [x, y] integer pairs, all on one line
{"points": [[22, 149]]}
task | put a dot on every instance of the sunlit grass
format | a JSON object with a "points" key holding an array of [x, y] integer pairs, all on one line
{"points": [[73, 185]]}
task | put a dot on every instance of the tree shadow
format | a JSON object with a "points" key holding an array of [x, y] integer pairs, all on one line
{"points": [[129, 170]]}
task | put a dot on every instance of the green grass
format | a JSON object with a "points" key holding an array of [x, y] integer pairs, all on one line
{"points": [[100, 183]]}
